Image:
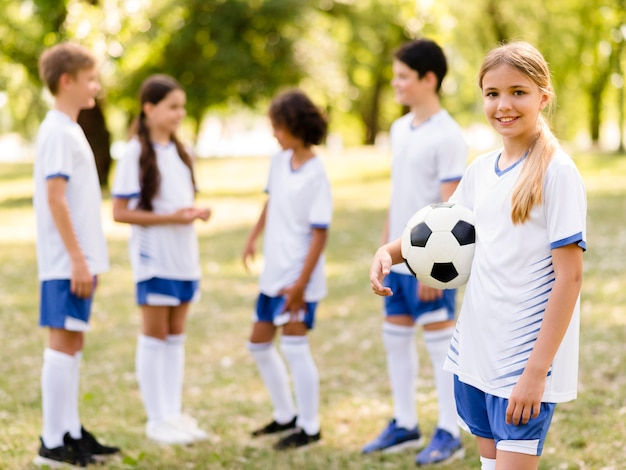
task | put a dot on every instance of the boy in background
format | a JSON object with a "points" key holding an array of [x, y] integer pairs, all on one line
{"points": [[71, 251], [428, 159]]}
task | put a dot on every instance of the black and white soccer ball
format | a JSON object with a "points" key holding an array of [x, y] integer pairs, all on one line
{"points": [[438, 245]]}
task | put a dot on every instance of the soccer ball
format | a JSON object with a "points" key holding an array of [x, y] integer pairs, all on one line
{"points": [[438, 245]]}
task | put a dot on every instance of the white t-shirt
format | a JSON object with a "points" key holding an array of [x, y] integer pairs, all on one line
{"points": [[165, 251], [299, 201], [512, 277], [62, 150], [423, 158]]}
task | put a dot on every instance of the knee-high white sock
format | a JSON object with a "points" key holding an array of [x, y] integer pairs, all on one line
{"points": [[306, 381], [149, 368], [174, 372], [73, 399], [402, 367], [437, 344], [274, 374], [487, 464], [57, 375]]}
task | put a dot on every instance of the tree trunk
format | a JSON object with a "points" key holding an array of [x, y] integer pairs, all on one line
{"points": [[371, 115], [93, 124]]}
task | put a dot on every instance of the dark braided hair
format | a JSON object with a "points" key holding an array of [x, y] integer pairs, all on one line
{"points": [[154, 89]]}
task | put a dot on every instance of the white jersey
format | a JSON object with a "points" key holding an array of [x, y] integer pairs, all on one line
{"points": [[512, 277], [299, 201], [62, 151], [168, 251], [423, 158]]}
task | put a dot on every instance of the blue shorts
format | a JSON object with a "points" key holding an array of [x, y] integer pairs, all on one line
{"points": [[160, 292], [59, 308], [404, 301], [269, 308], [484, 415]]}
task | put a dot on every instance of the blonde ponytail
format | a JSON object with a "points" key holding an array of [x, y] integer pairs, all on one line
{"points": [[529, 189]]}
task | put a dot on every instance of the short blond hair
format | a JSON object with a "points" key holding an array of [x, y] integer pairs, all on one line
{"points": [[63, 58]]}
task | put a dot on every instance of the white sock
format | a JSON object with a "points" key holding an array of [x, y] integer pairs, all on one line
{"points": [[306, 382], [73, 399], [150, 359], [274, 374], [487, 464], [174, 372], [57, 375], [437, 344], [402, 367]]}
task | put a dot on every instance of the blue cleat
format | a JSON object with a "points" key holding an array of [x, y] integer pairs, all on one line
{"points": [[444, 447], [394, 439]]}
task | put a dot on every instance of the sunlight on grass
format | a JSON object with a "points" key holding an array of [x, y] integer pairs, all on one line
{"points": [[223, 389]]}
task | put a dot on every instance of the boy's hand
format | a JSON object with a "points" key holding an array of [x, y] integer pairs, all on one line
{"points": [[428, 294], [81, 284], [248, 254]]}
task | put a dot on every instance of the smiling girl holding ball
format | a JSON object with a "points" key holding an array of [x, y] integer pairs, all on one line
{"points": [[514, 352]]}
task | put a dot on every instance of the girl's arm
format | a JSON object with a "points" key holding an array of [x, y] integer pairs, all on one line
{"points": [[250, 248], [295, 292], [81, 283], [525, 399], [122, 213], [385, 256]]}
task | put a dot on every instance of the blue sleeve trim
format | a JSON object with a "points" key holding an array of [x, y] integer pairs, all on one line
{"points": [[125, 196], [576, 238], [58, 175], [451, 180], [324, 226]]}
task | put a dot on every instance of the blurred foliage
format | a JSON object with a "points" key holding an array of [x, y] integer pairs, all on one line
{"points": [[234, 53]]}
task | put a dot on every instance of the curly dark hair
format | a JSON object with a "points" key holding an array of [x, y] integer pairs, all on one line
{"points": [[295, 112]]}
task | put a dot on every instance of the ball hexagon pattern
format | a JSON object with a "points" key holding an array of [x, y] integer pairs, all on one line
{"points": [[438, 245]]}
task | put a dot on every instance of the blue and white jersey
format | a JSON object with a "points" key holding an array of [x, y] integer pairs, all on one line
{"points": [[512, 277], [299, 201], [423, 158], [62, 151], [168, 251]]}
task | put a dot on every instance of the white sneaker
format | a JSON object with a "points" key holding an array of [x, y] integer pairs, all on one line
{"points": [[168, 432], [189, 425]]}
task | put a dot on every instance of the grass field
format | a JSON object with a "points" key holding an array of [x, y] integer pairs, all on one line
{"points": [[223, 390]]}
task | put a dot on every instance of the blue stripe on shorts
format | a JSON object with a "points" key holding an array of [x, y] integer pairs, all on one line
{"points": [[268, 308], [484, 415], [59, 308], [161, 292]]}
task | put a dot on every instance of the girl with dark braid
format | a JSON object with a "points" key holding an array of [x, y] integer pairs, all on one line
{"points": [[154, 191]]}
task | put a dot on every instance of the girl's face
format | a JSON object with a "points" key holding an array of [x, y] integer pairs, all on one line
{"points": [[512, 102], [166, 115], [408, 87], [285, 139]]}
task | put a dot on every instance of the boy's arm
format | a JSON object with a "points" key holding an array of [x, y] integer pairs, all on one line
{"points": [[447, 189], [250, 249], [81, 283], [295, 292]]}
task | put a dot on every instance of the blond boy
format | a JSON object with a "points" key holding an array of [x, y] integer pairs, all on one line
{"points": [[71, 250]]}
